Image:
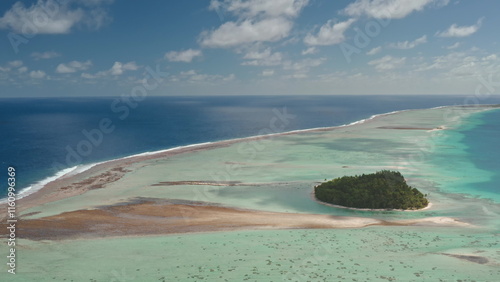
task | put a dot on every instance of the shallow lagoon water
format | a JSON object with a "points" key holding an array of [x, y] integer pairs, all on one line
{"points": [[468, 157], [280, 174], [368, 254]]}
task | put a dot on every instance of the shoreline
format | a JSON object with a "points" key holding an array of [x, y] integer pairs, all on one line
{"points": [[68, 172]]}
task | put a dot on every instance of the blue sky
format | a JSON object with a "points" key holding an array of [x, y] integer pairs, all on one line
{"points": [[246, 47]]}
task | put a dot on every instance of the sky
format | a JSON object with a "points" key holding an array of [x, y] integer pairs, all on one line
{"points": [[69, 48]]}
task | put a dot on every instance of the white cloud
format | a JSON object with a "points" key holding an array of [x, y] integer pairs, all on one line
{"points": [[387, 63], [253, 8], [329, 34], [119, 68], [88, 75], [44, 55], [303, 65], [442, 62], [462, 64], [16, 63], [232, 34], [267, 73], [492, 57], [409, 44], [52, 17], [296, 76], [264, 58], [37, 74], [229, 77], [374, 51], [460, 31], [96, 17], [73, 66], [22, 69], [193, 76], [185, 56], [454, 46], [257, 21], [19, 17], [473, 66], [389, 9], [91, 3], [189, 72], [310, 51]]}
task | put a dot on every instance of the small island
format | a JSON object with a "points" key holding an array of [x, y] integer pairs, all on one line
{"points": [[381, 190]]}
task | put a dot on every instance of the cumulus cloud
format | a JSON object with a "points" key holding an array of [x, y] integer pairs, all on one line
{"points": [[453, 46], [185, 56], [12, 65], [389, 9], [264, 58], [44, 55], [117, 69], [267, 73], [193, 76], [53, 17], [310, 51], [37, 74], [296, 76], [16, 63], [88, 75], [462, 64], [73, 66], [303, 65], [253, 8], [387, 63], [257, 21], [374, 51], [329, 34], [233, 34], [460, 31], [409, 44]]}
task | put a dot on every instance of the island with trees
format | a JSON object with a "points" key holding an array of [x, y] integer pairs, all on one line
{"points": [[381, 190]]}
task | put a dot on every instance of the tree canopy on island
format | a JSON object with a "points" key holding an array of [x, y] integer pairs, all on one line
{"points": [[381, 190]]}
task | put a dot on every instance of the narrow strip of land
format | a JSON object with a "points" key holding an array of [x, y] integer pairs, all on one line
{"points": [[159, 216]]}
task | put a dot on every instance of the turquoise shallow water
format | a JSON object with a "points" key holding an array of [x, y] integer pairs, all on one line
{"points": [[468, 159], [482, 148], [444, 163], [368, 254]]}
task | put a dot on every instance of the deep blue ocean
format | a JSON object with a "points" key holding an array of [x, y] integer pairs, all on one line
{"points": [[42, 136]]}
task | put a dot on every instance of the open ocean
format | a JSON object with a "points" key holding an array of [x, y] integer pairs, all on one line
{"points": [[42, 137]]}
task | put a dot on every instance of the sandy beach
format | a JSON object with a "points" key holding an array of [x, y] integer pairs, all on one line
{"points": [[157, 217]]}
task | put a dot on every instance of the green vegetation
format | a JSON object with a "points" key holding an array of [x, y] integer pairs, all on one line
{"points": [[381, 190]]}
